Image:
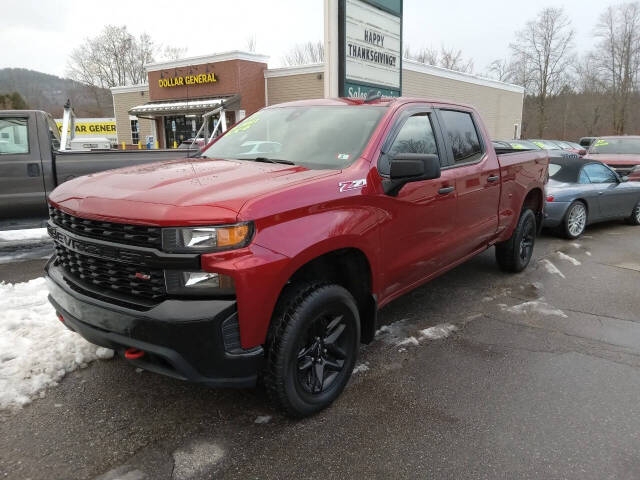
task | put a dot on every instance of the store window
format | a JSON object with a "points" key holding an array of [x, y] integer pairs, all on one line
{"points": [[135, 132]]}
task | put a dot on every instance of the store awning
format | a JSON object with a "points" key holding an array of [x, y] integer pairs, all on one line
{"points": [[182, 107]]}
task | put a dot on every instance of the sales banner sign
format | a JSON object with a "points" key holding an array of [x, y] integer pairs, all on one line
{"points": [[370, 48], [93, 127]]}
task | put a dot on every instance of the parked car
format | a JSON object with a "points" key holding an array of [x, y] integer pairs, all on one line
{"points": [[517, 145], [232, 267], [31, 164], [585, 191], [586, 142], [620, 153], [571, 147]]}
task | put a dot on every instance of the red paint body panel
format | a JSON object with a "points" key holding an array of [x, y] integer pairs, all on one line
{"points": [[300, 214]]}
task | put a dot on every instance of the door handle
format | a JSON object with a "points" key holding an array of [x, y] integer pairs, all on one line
{"points": [[33, 169], [445, 190], [493, 178]]}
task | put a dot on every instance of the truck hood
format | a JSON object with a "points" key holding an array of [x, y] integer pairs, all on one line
{"points": [[224, 185], [615, 159]]}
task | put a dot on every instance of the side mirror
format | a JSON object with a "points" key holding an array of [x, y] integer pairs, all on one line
{"points": [[582, 152], [410, 167], [625, 178]]}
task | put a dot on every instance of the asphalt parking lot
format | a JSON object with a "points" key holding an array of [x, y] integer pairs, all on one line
{"points": [[541, 380]]}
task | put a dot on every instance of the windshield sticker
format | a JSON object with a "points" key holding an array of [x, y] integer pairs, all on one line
{"points": [[540, 144], [517, 146], [343, 156], [352, 185], [246, 125], [601, 143]]}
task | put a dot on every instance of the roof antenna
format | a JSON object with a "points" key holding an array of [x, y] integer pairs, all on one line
{"points": [[372, 95]]}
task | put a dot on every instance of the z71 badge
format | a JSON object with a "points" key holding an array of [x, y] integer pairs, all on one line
{"points": [[352, 185]]}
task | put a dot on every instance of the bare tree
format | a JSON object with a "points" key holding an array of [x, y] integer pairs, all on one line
{"points": [[116, 57], [305, 53], [449, 58], [617, 57], [544, 53], [500, 70], [172, 53], [251, 44]]}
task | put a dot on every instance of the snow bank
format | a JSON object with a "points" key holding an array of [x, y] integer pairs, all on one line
{"points": [[566, 257], [536, 306], [20, 235], [362, 367], [36, 350], [438, 332], [551, 268]]}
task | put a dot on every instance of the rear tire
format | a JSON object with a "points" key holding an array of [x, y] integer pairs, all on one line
{"points": [[575, 220], [515, 254], [634, 219], [312, 347]]}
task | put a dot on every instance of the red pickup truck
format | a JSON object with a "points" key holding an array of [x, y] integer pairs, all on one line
{"points": [[269, 255]]}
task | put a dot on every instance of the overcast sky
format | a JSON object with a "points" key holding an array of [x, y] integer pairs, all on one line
{"points": [[40, 34]]}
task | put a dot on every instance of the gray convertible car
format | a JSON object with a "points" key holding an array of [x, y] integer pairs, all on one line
{"points": [[583, 191]]}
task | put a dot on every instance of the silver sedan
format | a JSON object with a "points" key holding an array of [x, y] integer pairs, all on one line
{"points": [[581, 192]]}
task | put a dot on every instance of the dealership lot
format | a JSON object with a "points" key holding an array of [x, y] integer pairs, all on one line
{"points": [[540, 380]]}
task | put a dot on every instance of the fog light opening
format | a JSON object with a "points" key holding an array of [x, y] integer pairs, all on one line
{"points": [[133, 353]]}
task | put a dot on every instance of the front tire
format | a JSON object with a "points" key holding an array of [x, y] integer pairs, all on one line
{"points": [[515, 254], [575, 220], [634, 219], [312, 347]]}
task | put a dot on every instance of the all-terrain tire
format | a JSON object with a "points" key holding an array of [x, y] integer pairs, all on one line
{"points": [[515, 254], [303, 310]]}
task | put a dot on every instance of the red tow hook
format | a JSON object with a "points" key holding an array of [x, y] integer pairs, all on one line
{"points": [[133, 353], [61, 318]]}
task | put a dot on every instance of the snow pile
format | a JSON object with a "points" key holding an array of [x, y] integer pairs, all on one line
{"points": [[536, 306], [22, 235], [409, 341], [566, 257], [36, 350], [438, 332], [262, 419], [551, 268], [363, 367]]}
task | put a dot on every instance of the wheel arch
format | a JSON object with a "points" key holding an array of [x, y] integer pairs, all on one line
{"points": [[350, 268]]}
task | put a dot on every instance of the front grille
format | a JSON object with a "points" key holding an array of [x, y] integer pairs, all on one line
{"points": [[623, 169], [135, 283], [108, 231]]}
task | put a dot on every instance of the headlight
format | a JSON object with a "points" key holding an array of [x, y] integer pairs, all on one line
{"points": [[207, 239], [198, 283]]}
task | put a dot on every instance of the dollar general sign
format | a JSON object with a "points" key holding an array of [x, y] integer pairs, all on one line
{"points": [[187, 80]]}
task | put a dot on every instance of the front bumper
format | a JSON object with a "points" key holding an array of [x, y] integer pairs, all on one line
{"points": [[191, 340], [554, 213]]}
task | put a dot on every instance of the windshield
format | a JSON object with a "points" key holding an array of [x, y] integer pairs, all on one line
{"points": [[546, 145], [523, 145], [316, 137], [629, 146]]}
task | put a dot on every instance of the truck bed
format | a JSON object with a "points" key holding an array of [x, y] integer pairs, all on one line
{"points": [[70, 164]]}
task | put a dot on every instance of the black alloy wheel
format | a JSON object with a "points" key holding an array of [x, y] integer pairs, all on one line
{"points": [[312, 347]]}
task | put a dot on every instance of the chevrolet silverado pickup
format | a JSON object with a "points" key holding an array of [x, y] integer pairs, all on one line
{"points": [[266, 259], [31, 164]]}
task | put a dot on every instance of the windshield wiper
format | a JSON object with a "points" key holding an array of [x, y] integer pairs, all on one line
{"points": [[272, 160]]}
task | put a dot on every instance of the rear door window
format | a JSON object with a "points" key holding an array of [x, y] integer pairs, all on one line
{"points": [[461, 132], [14, 138]]}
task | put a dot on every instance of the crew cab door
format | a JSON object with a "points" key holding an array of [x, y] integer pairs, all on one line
{"points": [[476, 171], [21, 179], [415, 234]]}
